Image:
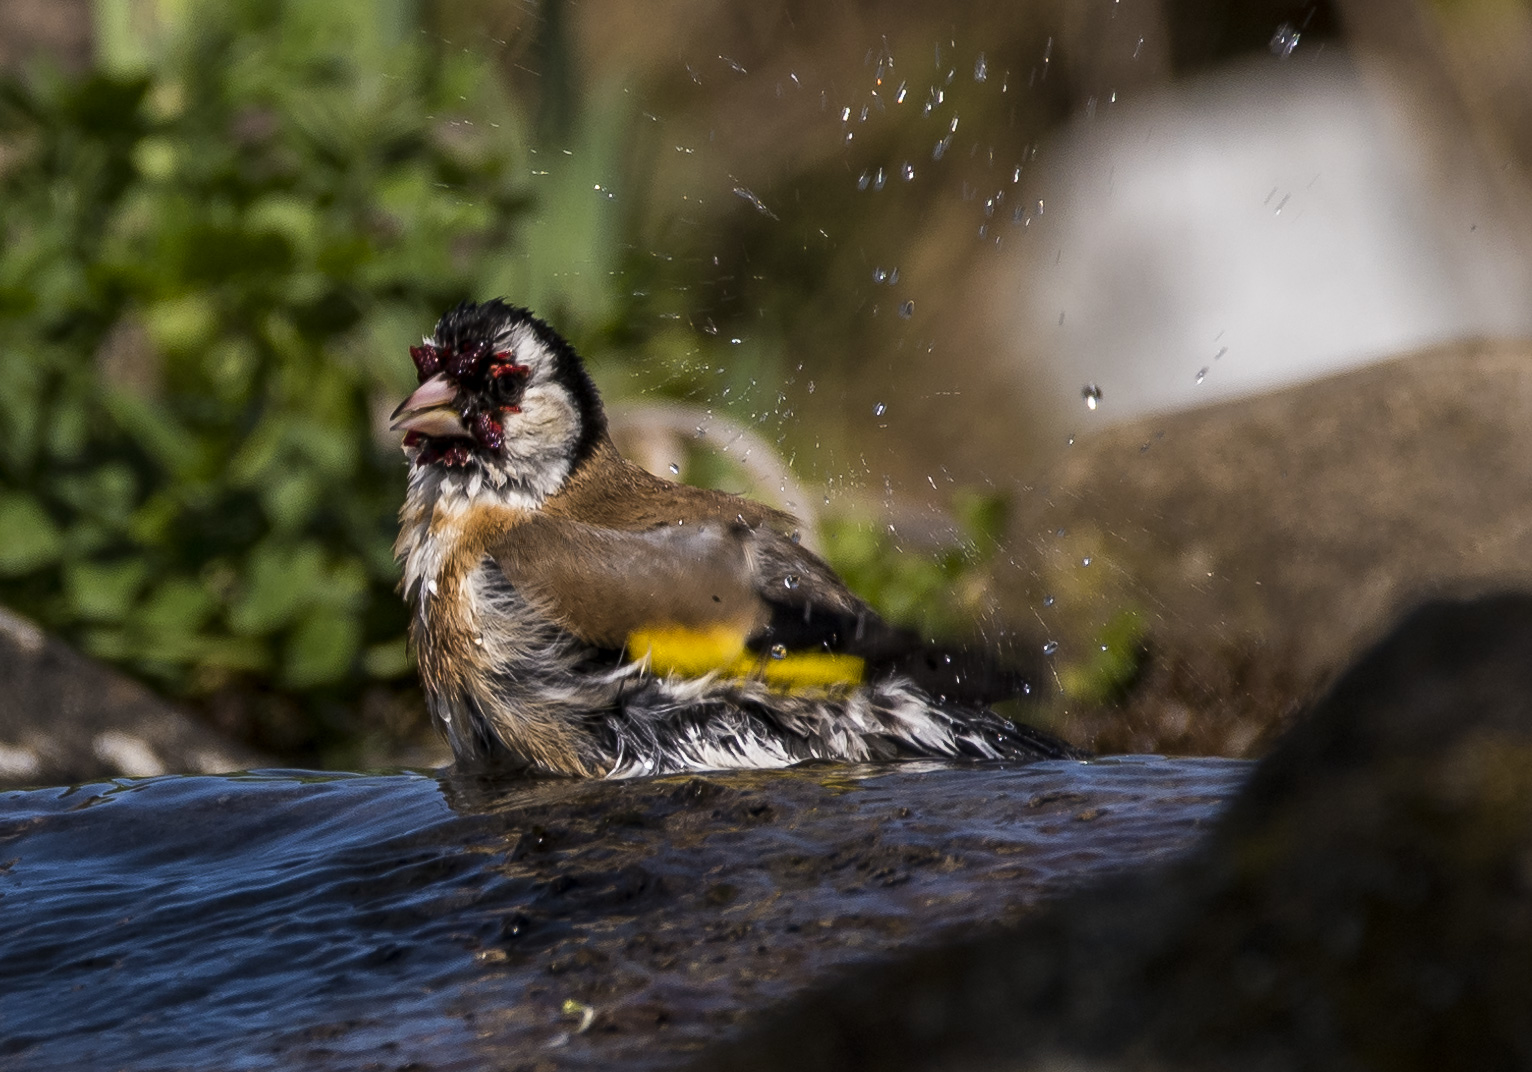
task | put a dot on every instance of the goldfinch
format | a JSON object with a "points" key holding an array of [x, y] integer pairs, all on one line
{"points": [[573, 614]]}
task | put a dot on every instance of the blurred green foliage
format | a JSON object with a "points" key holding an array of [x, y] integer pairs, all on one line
{"points": [[940, 594], [1111, 663], [212, 251]]}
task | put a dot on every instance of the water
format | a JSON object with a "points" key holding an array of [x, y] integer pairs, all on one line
{"points": [[287, 919]]}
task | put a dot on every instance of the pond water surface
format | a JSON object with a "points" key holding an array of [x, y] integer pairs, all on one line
{"points": [[288, 919]]}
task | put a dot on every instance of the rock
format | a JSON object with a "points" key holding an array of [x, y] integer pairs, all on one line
{"points": [[463, 919], [66, 719], [1366, 902], [1263, 542], [61, 30]]}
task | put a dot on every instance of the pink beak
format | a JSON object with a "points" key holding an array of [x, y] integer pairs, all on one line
{"points": [[429, 410]]}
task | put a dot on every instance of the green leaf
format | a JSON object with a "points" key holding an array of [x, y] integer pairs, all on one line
{"points": [[984, 516], [389, 660], [1111, 663], [281, 582], [104, 592], [157, 431], [320, 651], [29, 540], [183, 324], [176, 610], [290, 499]]}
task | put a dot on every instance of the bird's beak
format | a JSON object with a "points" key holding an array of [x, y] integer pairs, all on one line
{"points": [[429, 410]]}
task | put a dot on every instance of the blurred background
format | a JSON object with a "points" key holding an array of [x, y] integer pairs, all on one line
{"points": [[880, 263]]}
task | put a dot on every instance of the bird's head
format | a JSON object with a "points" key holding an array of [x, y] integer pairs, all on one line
{"points": [[502, 395]]}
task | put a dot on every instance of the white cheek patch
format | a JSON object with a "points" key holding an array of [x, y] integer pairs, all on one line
{"points": [[545, 429], [527, 349], [539, 441]]}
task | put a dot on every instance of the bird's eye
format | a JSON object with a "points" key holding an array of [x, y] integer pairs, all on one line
{"points": [[507, 380]]}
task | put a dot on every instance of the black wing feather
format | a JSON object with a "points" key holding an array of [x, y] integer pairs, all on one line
{"points": [[812, 610]]}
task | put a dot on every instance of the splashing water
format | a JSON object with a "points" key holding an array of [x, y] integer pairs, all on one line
{"points": [[1284, 41]]}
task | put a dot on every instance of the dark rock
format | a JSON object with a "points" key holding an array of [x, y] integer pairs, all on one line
{"points": [[66, 719], [1366, 902], [295, 919]]}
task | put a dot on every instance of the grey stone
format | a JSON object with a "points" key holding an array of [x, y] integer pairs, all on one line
{"points": [[66, 719], [1265, 541]]}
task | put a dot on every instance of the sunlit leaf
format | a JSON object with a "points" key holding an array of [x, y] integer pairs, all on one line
{"points": [[280, 582], [29, 539], [104, 591], [321, 649]]}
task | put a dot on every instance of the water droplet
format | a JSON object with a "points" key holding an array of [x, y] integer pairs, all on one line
{"points": [[760, 206], [796, 536], [940, 148], [879, 275], [1284, 41], [877, 180], [1016, 175], [1092, 395], [1085, 561], [845, 114], [953, 128], [1050, 647], [980, 69], [478, 641], [1047, 601], [899, 97], [862, 180], [779, 651], [790, 581], [908, 171], [1202, 373], [879, 410], [907, 310], [675, 470]]}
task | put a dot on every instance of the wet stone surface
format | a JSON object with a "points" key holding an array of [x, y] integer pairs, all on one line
{"points": [[295, 920]]}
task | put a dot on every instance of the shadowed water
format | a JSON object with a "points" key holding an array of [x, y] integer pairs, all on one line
{"points": [[290, 919]]}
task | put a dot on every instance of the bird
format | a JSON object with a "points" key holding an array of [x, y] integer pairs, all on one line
{"points": [[573, 614]]}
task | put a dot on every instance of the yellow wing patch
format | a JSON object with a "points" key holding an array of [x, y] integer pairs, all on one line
{"points": [[673, 649]]}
